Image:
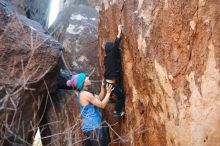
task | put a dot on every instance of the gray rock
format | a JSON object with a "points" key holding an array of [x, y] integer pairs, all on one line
{"points": [[28, 65]]}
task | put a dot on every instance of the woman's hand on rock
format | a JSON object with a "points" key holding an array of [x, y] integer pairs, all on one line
{"points": [[109, 88]]}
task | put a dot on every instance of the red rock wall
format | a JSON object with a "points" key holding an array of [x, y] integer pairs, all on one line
{"points": [[170, 59]]}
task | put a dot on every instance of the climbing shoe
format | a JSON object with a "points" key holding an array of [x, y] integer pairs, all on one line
{"points": [[118, 114]]}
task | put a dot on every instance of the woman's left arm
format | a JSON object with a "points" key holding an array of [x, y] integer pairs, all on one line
{"points": [[95, 101], [102, 93]]}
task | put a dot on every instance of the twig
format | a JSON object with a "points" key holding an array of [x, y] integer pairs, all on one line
{"points": [[115, 132], [92, 72], [63, 59], [48, 92]]}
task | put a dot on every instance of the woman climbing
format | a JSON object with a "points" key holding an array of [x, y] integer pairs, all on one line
{"points": [[96, 134]]}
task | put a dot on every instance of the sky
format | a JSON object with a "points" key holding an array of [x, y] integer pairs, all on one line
{"points": [[54, 9]]}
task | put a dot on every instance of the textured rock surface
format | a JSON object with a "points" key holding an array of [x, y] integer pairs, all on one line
{"points": [[76, 28], [63, 121], [28, 64], [171, 60], [37, 10]]}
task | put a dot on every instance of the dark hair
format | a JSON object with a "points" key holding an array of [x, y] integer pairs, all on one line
{"points": [[74, 88]]}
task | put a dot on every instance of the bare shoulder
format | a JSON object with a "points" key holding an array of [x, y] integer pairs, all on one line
{"points": [[86, 94], [85, 98]]}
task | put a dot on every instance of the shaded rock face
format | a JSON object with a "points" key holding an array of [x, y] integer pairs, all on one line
{"points": [[76, 28], [170, 60], [28, 74], [37, 10], [61, 124]]}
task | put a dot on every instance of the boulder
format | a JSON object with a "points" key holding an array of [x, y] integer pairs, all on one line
{"points": [[76, 28], [37, 10], [29, 64]]}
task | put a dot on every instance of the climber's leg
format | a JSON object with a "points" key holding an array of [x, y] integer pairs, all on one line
{"points": [[121, 100]]}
